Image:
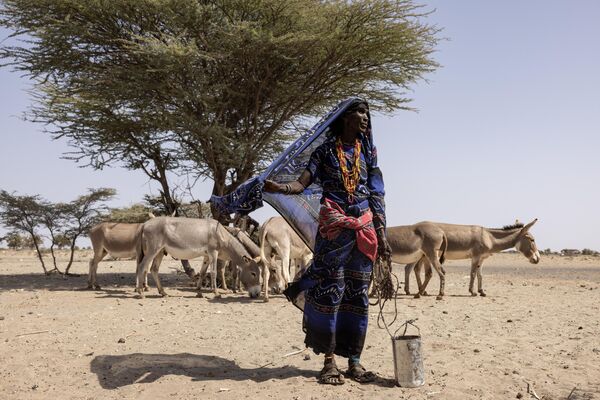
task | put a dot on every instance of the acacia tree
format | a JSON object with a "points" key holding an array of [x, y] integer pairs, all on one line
{"points": [[83, 213], [22, 214], [54, 218], [32, 214], [211, 87]]}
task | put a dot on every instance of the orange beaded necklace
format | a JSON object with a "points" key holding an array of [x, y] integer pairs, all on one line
{"points": [[349, 177]]}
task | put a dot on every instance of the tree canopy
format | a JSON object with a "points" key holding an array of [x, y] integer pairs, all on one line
{"points": [[208, 87]]}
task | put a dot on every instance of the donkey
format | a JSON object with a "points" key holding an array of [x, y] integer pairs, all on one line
{"points": [[117, 239], [410, 243], [188, 238], [254, 250], [478, 243], [276, 236]]}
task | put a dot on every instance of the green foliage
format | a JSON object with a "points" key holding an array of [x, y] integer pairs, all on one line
{"points": [[62, 240], [136, 213], [213, 88], [14, 240]]}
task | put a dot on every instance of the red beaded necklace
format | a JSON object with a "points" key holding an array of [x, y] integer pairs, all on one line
{"points": [[349, 177]]}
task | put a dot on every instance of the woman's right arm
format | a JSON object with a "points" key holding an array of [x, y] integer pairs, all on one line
{"points": [[304, 180], [293, 187]]}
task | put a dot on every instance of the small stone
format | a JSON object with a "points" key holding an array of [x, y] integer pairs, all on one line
{"points": [[519, 395], [565, 366], [477, 351], [444, 312], [515, 372], [121, 340], [34, 387], [580, 328], [306, 357], [1, 318], [509, 320]]}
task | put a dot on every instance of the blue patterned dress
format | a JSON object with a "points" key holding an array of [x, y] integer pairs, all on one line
{"points": [[335, 286]]}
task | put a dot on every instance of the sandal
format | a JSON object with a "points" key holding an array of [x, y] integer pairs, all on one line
{"points": [[359, 374], [331, 375]]}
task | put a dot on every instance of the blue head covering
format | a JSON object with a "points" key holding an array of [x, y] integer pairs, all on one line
{"points": [[301, 210]]}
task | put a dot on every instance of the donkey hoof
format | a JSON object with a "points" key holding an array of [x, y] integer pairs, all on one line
{"points": [[473, 294], [199, 295], [439, 297], [417, 296], [97, 287], [164, 294], [425, 293], [266, 300], [482, 294], [407, 291]]}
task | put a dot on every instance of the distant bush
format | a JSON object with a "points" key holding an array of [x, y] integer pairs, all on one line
{"points": [[589, 252]]}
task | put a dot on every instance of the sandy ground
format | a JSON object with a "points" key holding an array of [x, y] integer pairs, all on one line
{"points": [[540, 324]]}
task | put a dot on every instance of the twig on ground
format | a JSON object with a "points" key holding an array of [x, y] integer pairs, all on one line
{"points": [[572, 391], [532, 392], [293, 353], [31, 333], [283, 356]]}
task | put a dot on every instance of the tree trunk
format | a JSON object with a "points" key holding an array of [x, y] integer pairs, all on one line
{"points": [[53, 259], [71, 256], [39, 253]]}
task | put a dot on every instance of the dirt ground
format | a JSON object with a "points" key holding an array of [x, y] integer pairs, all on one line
{"points": [[539, 325]]}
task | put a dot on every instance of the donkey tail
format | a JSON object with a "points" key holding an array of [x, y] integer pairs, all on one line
{"points": [[139, 248], [443, 249]]}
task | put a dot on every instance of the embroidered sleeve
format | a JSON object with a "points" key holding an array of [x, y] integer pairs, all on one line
{"points": [[377, 191]]}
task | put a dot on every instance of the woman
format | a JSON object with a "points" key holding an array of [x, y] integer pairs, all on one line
{"points": [[351, 233]]}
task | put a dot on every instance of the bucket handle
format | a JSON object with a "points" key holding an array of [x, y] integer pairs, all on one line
{"points": [[405, 325]]}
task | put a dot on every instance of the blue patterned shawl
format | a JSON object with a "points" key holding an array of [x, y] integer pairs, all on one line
{"points": [[301, 211]]}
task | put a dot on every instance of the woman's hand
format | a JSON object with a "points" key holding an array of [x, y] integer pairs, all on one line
{"points": [[383, 247], [272, 186]]}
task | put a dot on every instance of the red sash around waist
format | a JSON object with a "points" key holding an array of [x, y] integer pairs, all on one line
{"points": [[332, 219]]}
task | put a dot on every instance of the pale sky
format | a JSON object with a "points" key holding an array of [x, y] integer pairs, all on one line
{"points": [[507, 128]]}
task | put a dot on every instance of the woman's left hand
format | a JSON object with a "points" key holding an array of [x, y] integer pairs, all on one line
{"points": [[383, 247]]}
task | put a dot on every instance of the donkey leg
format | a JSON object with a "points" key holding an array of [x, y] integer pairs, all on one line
{"points": [[154, 270], [434, 261], [266, 274], [201, 275], [407, 270], [213, 273], [480, 282], [92, 277], [428, 274], [142, 271], [474, 265]]}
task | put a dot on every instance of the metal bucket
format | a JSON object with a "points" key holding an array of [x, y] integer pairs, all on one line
{"points": [[408, 360]]}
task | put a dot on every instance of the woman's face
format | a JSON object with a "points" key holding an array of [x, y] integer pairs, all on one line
{"points": [[357, 120]]}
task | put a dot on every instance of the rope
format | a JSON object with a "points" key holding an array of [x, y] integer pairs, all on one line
{"points": [[383, 286]]}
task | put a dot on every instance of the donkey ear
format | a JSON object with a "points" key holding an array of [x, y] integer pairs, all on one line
{"points": [[528, 226], [151, 215], [246, 258]]}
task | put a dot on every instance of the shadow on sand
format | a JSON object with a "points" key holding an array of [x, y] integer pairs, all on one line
{"points": [[124, 281], [117, 371]]}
